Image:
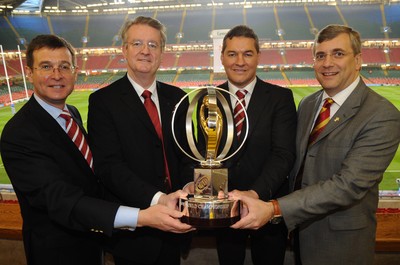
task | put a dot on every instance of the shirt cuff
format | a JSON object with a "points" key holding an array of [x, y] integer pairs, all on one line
{"points": [[126, 218], [156, 197], [187, 185]]}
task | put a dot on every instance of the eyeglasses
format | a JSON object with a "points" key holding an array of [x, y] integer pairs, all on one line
{"points": [[64, 69], [336, 55], [139, 44]]}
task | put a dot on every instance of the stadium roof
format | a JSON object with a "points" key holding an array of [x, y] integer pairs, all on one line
{"points": [[84, 6]]}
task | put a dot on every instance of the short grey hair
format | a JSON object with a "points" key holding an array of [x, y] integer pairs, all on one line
{"points": [[141, 20]]}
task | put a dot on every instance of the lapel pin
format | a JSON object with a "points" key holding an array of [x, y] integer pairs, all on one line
{"points": [[336, 119]]}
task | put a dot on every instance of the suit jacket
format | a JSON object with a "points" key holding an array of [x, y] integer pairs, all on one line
{"points": [[128, 157], [56, 189], [266, 158], [335, 209]]}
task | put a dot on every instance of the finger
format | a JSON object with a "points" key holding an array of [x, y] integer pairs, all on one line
{"points": [[181, 194], [178, 227], [239, 224], [175, 214], [236, 195], [245, 211]]}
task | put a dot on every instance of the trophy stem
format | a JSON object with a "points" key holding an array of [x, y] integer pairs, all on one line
{"points": [[209, 163]]}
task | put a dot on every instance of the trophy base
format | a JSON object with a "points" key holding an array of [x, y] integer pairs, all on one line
{"points": [[203, 212], [209, 223]]}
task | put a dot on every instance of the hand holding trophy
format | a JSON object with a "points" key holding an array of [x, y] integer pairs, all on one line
{"points": [[209, 206]]}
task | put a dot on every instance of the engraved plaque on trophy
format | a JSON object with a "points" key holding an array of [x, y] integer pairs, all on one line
{"points": [[209, 206]]}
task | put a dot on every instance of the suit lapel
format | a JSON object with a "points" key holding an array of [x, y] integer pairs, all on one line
{"points": [[135, 107], [166, 109], [53, 131], [309, 109], [258, 102], [78, 119], [236, 142], [345, 112]]}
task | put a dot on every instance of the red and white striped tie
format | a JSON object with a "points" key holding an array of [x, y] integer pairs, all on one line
{"points": [[76, 135], [239, 111]]}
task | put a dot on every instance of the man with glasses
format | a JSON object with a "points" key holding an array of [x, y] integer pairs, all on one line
{"points": [[52, 174], [347, 135], [129, 125]]}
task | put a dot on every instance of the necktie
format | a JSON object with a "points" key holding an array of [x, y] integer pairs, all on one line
{"points": [[76, 135], [238, 111], [319, 126], [322, 120], [153, 114]]}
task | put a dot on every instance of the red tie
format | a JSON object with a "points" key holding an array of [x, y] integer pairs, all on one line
{"points": [[77, 137], [153, 113], [322, 120], [239, 111]]}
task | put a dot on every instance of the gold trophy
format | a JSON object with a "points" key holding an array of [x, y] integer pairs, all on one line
{"points": [[209, 206]]}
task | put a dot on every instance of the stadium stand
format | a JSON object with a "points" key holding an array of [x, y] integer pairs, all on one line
{"points": [[299, 56], [110, 28], [361, 16], [73, 31], [117, 62], [271, 57], [29, 26], [263, 22], [197, 26], [294, 23], [169, 60], [96, 62], [194, 59], [282, 63], [192, 78], [173, 21], [166, 76], [280, 26]]}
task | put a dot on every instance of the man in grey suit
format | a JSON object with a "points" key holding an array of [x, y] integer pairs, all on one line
{"points": [[334, 208]]}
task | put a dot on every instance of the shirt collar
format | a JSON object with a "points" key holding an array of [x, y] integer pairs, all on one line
{"points": [[139, 89], [341, 97], [249, 87], [53, 111]]}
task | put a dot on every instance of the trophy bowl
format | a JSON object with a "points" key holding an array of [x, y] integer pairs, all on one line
{"points": [[209, 213], [209, 206]]}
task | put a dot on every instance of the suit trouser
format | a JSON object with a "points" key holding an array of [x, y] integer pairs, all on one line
{"points": [[268, 245], [168, 254], [79, 254]]}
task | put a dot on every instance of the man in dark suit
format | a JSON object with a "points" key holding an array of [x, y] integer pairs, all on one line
{"points": [[262, 165], [55, 185], [138, 164], [335, 208]]}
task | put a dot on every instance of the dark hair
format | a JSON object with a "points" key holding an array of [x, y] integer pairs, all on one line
{"points": [[332, 31], [149, 21], [48, 41], [241, 31]]}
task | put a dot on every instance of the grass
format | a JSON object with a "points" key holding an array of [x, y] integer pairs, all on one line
{"points": [[80, 100]]}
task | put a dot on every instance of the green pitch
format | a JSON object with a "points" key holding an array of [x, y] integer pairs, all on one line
{"points": [[80, 100]]}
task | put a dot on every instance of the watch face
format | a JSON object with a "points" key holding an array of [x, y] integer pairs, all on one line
{"points": [[276, 220]]}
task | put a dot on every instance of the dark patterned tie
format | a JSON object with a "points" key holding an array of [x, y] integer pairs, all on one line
{"points": [[76, 135], [239, 111], [153, 114], [322, 120]]}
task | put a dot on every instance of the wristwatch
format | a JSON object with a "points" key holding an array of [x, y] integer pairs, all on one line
{"points": [[277, 218]]}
